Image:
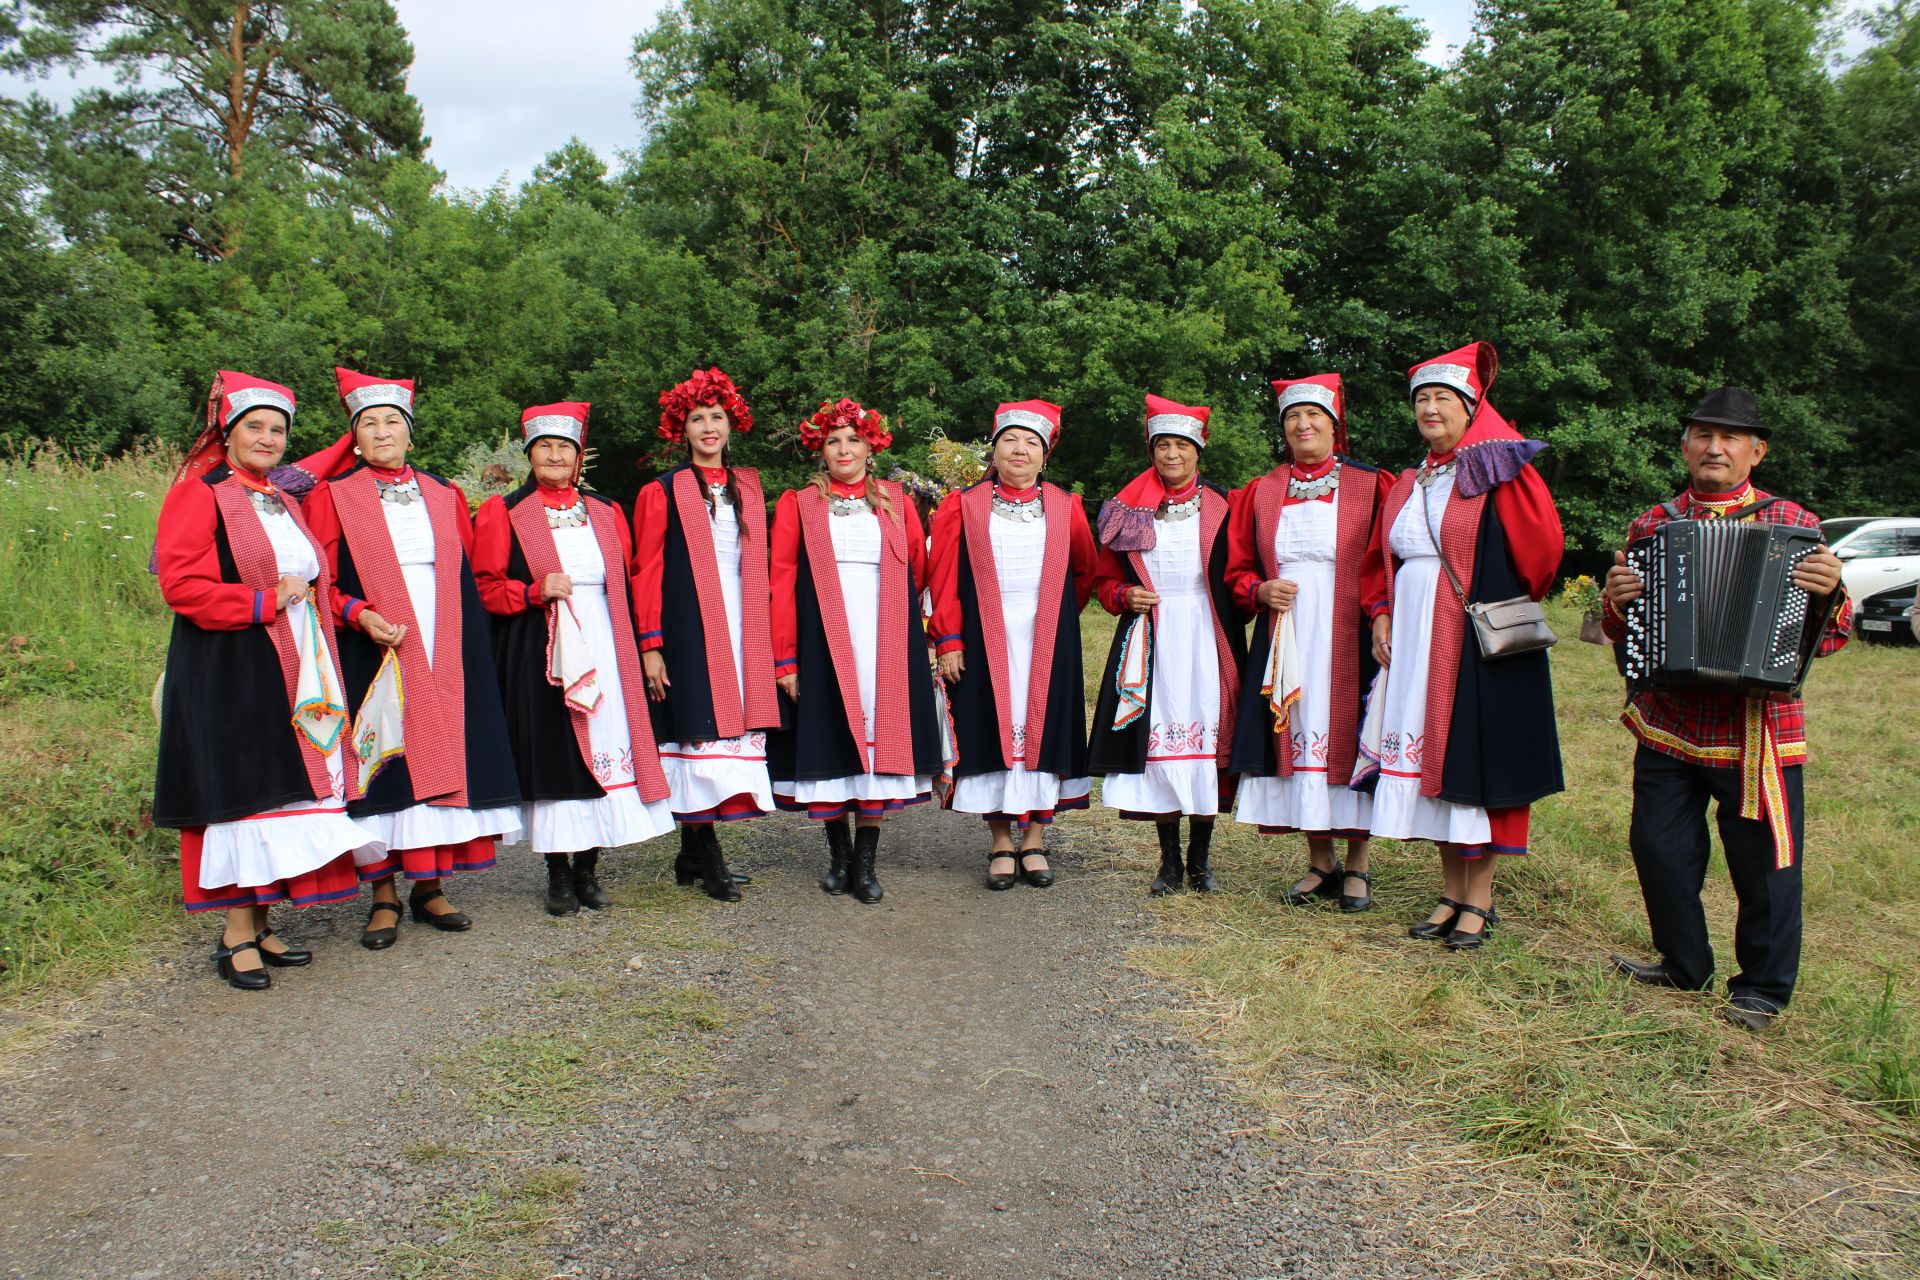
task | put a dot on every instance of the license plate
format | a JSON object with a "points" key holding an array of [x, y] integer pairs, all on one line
{"points": [[1873, 624]]}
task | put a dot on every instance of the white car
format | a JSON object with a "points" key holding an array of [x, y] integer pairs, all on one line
{"points": [[1875, 554]]}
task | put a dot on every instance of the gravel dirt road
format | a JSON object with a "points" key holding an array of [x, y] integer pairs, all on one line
{"points": [[953, 1083]]}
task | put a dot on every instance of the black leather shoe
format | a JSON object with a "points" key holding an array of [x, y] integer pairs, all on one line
{"points": [[449, 921], [866, 847], [1354, 902], [1172, 872], [1460, 940], [560, 899], [1038, 877], [839, 853], [1200, 856], [586, 883], [245, 979], [1437, 928], [1751, 1012], [1007, 881], [719, 883], [1327, 886], [1654, 975], [380, 939], [291, 958]]}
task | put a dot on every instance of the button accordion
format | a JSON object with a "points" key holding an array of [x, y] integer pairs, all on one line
{"points": [[1720, 609]]}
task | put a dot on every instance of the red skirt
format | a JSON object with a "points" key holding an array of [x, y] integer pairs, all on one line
{"points": [[333, 882], [436, 862]]}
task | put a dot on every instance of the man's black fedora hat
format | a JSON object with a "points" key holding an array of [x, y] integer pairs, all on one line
{"points": [[1729, 407]]}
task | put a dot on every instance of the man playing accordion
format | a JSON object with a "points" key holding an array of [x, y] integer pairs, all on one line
{"points": [[1742, 749]]}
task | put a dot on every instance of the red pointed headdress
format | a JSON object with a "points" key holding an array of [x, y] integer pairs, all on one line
{"points": [[1170, 418], [706, 386], [360, 391], [1322, 389], [566, 420], [1038, 416], [232, 396], [833, 415]]}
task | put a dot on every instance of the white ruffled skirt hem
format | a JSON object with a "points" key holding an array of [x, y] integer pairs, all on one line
{"points": [[283, 843], [1400, 812], [428, 826], [1177, 786], [1019, 791], [1303, 802], [618, 818]]}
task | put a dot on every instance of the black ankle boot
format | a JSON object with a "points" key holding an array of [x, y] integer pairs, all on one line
{"points": [[686, 864], [560, 899], [1168, 881], [713, 868], [866, 844], [1199, 846], [839, 853], [586, 885]]}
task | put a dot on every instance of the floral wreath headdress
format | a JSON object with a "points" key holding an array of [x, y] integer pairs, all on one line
{"points": [[706, 386], [833, 415]]}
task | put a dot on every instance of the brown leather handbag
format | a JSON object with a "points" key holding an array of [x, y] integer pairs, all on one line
{"points": [[1501, 628]]}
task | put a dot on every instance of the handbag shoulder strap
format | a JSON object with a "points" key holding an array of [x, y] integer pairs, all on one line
{"points": [[1438, 550]]}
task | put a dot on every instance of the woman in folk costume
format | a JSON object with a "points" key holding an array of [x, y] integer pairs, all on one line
{"points": [[1463, 745], [849, 561], [700, 576], [1012, 568], [1163, 722], [253, 766], [399, 543], [1298, 547], [551, 562]]}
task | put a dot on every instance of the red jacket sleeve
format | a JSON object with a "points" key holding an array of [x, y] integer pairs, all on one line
{"points": [[1532, 525], [188, 562], [492, 548], [649, 561], [323, 521], [1245, 571], [784, 579], [945, 564], [1373, 567], [916, 544], [1109, 577], [1080, 549]]}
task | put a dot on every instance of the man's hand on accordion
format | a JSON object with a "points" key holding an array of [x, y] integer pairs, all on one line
{"points": [[1623, 584], [1818, 574]]}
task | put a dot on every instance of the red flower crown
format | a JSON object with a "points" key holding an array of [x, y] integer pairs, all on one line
{"points": [[706, 386], [832, 415]]}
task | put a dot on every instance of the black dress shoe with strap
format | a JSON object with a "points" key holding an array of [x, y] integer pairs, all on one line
{"points": [[380, 939], [996, 881], [288, 958], [451, 921], [245, 979], [1437, 928], [1327, 886], [1460, 939], [1353, 902], [1654, 975], [1038, 877]]}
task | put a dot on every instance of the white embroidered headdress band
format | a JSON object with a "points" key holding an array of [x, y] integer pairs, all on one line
{"points": [[1456, 376], [380, 393], [555, 424], [1184, 425], [1022, 418], [1308, 393], [238, 402]]}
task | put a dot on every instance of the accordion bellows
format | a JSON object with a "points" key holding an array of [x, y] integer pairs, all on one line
{"points": [[1720, 609]]}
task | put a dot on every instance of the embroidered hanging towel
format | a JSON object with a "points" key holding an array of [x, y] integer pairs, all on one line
{"points": [[1131, 673], [379, 731], [568, 663], [1281, 688], [319, 708], [1372, 728]]}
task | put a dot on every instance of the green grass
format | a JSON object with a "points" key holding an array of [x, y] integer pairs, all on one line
{"points": [[1657, 1140], [496, 1233], [85, 882], [605, 1045]]}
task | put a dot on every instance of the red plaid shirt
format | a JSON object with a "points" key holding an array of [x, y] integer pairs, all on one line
{"points": [[1708, 727]]}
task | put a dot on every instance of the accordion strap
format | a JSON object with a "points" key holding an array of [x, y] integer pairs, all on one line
{"points": [[1744, 513]]}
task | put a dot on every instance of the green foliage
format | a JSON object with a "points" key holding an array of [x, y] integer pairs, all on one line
{"points": [[935, 206]]}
